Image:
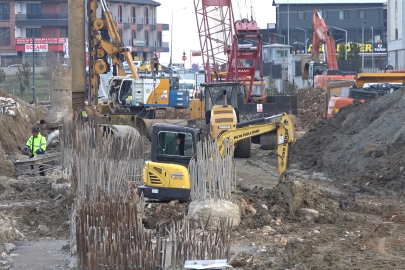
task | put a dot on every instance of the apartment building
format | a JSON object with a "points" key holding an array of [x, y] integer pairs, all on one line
{"points": [[136, 21], [46, 23], [396, 33]]}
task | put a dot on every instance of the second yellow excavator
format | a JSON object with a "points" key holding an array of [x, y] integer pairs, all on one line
{"points": [[166, 175]]}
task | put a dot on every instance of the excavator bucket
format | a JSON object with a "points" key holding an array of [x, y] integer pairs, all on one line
{"points": [[305, 59]]}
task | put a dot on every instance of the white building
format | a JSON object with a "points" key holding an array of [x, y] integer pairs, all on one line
{"points": [[396, 33]]}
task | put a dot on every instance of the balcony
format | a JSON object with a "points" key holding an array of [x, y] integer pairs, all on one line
{"points": [[41, 19], [127, 22], [165, 47], [165, 27], [139, 23]]}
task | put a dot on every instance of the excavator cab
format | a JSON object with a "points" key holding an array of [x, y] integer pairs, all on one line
{"points": [[315, 68], [166, 175], [221, 106]]}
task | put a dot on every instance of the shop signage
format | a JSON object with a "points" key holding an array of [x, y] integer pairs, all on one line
{"points": [[367, 48], [38, 47], [47, 40]]}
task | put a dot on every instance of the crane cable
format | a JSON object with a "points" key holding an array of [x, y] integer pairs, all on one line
{"points": [[252, 11], [240, 11], [247, 10]]}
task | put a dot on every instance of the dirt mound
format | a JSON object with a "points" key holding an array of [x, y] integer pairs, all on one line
{"points": [[157, 214], [15, 131], [34, 207], [311, 105], [363, 143], [272, 204]]}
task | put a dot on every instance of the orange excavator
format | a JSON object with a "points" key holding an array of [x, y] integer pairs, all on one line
{"points": [[317, 71]]}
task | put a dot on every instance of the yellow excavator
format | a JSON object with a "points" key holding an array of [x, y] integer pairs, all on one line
{"points": [[166, 175]]}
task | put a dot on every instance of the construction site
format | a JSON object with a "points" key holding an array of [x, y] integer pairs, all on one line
{"points": [[233, 179]]}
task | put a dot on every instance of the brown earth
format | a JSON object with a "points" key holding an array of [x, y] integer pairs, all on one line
{"points": [[351, 169], [15, 132], [363, 144]]}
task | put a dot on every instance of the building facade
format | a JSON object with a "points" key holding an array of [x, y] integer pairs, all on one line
{"points": [[137, 25], [396, 33], [46, 23], [294, 21]]}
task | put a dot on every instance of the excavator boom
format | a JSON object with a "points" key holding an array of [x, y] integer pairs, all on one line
{"points": [[285, 137], [321, 32], [104, 40]]}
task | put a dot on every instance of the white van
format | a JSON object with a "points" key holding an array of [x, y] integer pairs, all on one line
{"points": [[188, 85]]}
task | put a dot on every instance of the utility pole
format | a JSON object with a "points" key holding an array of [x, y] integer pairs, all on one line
{"points": [[288, 21], [372, 49], [33, 69], [362, 55]]}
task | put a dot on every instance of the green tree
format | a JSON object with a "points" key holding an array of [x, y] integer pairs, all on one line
{"points": [[23, 76], [271, 88], [341, 51], [354, 54], [290, 89]]}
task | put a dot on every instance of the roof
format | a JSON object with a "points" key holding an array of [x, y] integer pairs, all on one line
{"points": [[281, 2], [137, 2]]}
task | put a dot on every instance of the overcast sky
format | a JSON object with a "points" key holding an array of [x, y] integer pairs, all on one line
{"points": [[185, 35]]}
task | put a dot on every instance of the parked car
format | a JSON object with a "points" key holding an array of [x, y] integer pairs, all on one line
{"points": [[146, 67], [177, 69], [201, 68]]}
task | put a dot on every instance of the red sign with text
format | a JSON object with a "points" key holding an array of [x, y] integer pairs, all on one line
{"points": [[46, 40], [38, 47]]}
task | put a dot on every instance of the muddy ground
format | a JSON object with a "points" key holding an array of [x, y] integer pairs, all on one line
{"points": [[351, 171]]}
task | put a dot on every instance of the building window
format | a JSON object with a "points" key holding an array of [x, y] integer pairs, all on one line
{"points": [[5, 12], [133, 34], [33, 11], [120, 14], [396, 33], [146, 15], [344, 15], [120, 33], [5, 36], [301, 15], [64, 32], [159, 40], [280, 53], [33, 32], [146, 38], [133, 15], [362, 14]]}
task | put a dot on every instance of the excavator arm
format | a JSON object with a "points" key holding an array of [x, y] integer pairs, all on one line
{"points": [[321, 32], [285, 137], [102, 29]]}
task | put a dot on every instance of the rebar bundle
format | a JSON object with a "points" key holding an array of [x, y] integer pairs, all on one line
{"points": [[190, 243], [212, 175]]}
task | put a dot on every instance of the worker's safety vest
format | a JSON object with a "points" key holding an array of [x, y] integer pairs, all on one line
{"points": [[35, 143]]}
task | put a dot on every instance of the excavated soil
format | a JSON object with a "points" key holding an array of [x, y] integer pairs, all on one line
{"points": [[16, 130], [350, 168], [363, 144]]}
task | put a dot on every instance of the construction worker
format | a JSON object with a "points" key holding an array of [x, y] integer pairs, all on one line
{"points": [[37, 144], [173, 146], [42, 128]]}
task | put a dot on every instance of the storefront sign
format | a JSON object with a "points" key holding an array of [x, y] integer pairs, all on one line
{"points": [[47, 40], [367, 48], [38, 47]]}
